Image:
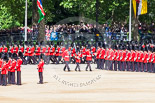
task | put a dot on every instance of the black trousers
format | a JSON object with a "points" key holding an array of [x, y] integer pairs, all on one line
{"points": [[37, 58], [107, 64], [119, 65], [115, 65], [128, 67], [47, 59], [110, 65], [66, 66], [4, 80], [12, 74], [30, 59], [88, 66], [77, 67], [18, 77], [41, 77], [150, 67], [52, 59], [9, 77], [141, 66], [98, 63], [132, 66], [102, 63], [145, 67]]}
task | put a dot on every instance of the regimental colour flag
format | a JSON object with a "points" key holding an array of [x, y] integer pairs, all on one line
{"points": [[139, 7], [40, 10]]}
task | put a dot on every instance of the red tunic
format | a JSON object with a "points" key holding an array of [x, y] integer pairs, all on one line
{"points": [[9, 63], [16, 50], [38, 51], [32, 51], [26, 51], [115, 55], [141, 57], [1, 62], [77, 58], [111, 55], [40, 66], [57, 51], [5, 50], [4, 68], [153, 58], [13, 65], [133, 54], [1, 49], [150, 57], [88, 56], [48, 51], [19, 63], [66, 56], [145, 57], [98, 54], [52, 51], [102, 54], [128, 56]]}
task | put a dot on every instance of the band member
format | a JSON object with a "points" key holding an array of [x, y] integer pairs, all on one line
{"points": [[88, 59], [4, 73], [66, 59], [77, 58], [12, 71], [9, 74], [40, 70], [1, 65]]}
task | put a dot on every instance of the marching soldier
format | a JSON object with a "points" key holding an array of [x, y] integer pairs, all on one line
{"points": [[31, 55], [145, 60], [133, 54], [150, 54], [37, 53], [66, 59], [77, 58], [88, 59], [40, 70], [141, 66], [52, 53]]}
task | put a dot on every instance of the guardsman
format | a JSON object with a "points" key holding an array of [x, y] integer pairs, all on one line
{"points": [[102, 57], [21, 52], [141, 61], [4, 74], [9, 73], [5, 51], [150, 54], [47, 54], [119, 60], [52, 53], [61, 52], [12, 71], [133, 54], [1, 65], [18, 68], [137, 61], [26, 54], [123, 60], [145, 60], [37, 53], [107, 65], [16, 51], [11, 50], [111, 58], [43, 50], [31, 54], [73, 52], [57, 54], [40, 70], [83, 54], [98, 57], [93, 49], [128, 58], [66, 59], [77, 59], [88, 59], [115, 60]]}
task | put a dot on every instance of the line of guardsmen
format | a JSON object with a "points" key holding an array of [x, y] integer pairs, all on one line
{"points": [[131, 56], [8, 69]]}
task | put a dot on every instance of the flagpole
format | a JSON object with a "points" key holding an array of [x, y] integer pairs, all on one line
{"points": [[130, 21], [26, 20]]}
